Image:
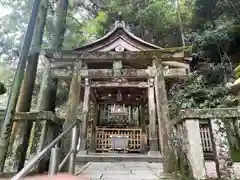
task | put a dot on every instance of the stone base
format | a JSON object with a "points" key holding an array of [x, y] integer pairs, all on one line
{"points": [[118, 157], [83, 152], [154, 153]]}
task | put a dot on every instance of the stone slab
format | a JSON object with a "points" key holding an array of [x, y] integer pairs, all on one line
{"points": [[122, 171]]}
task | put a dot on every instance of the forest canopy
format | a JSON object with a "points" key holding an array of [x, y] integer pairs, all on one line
{"points": [[210, 26]]}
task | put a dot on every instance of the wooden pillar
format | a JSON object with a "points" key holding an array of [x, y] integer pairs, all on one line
{"points": [[117, 66], [144, 145], [73, 103], [153, 145], [46, 102], [92, 147], [48, 92], [158, 93], [83, 133], [162, 113]]}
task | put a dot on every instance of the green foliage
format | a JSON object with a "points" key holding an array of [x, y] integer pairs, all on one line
{"points": [[211, 26], [204, 89]]}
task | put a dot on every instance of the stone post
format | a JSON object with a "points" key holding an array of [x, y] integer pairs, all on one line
{"points": [[83, 133], [194, 148], [221, 149], [153, 145]]}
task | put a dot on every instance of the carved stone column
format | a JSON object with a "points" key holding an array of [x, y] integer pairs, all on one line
{"points": [[153, 145], [83, 133]]}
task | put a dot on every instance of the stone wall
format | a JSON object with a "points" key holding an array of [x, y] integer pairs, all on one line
{"points": [[188, 131]]}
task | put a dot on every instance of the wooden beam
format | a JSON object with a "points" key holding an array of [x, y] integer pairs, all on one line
{"points": [[116, 84], [125, 73], [37, 116], [101, 73], [113, 101], [69, 56]]}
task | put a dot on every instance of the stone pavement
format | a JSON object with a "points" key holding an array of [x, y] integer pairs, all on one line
{"points": [[122, 171]]}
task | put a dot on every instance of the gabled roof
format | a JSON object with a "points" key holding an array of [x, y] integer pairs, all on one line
{"points": [[118, 37]]}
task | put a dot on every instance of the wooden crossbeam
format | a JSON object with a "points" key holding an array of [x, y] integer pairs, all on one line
{"points": [[116, 84], [68, 56], [125, 73]]}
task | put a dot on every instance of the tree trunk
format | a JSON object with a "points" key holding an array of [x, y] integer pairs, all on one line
{"points": [[59, 25], [25, 98], [16, 87], [47, 97]]}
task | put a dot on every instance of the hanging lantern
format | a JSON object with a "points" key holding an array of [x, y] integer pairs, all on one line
{"points": [[119, 96]]}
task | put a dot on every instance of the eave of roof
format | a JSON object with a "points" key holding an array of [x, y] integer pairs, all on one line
{"points": [[119, 25]]}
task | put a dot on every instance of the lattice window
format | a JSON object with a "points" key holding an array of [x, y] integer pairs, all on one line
{"points": [[104, 140], [206, 136]]}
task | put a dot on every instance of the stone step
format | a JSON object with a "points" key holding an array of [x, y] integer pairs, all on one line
{"points": [[117, 157]]}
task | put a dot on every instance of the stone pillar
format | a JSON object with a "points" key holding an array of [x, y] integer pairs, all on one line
{"points": [[92, 147], [221, 149], [193, 147], [153, 145], [83, 133]]}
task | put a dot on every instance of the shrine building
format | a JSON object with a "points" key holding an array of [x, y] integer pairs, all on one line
{"points": [[127, 79]]}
